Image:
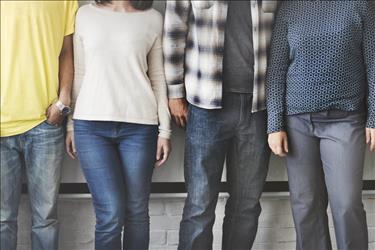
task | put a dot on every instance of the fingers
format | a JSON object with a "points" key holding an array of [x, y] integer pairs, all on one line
{"points": [[368, 135], [285, 144], [74, 149], [162, 154], [180, 119], [372, 139], [159, 153], [178, 108], [70, 151], [70, 146]]}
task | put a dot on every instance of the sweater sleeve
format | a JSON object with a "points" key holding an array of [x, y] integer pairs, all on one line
{"points": [[79, 72], [277, 73], [174, 43], [369, 56], [156, 75]]}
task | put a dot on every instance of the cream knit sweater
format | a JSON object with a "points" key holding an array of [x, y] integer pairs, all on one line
{"points": [[119, 74]]}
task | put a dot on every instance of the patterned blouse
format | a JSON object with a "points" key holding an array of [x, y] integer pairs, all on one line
{"points": [[322, 58]]}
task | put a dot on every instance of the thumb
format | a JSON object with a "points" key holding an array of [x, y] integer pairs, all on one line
{"points": [[286, 146], [158, 152]]}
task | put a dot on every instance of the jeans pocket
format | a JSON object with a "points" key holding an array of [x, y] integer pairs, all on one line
{"points": [[48, 124]]}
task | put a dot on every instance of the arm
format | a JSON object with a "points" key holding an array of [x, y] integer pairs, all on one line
{"points": [[277, 73], [276, 85], [159, 87], [66, 70], [79, 73], [65, 63], [174, 45], [157, 78], [65, 80], [176, 28], [369, 58]]}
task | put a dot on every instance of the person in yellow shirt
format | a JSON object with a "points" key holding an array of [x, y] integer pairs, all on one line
{"points": [[36, 79]]}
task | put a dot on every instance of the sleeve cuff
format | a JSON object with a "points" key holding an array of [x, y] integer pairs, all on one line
{"points": [[370, 121], [276, 125], [176, 91], [165, 134]]}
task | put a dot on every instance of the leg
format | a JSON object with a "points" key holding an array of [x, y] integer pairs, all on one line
{"points": [[101, 165], [44, 149], [137, 151], [10, 183], [247, 166], [343, 150], [307, 187], [205, 150]]}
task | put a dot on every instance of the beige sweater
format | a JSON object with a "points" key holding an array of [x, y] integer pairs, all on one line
{"points": [[119, 74]]}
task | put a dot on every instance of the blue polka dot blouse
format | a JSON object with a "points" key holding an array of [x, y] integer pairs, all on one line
{"points": [[322, 57]]}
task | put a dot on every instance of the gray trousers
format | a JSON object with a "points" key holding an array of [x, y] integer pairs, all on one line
{"points": [[325, 164]]}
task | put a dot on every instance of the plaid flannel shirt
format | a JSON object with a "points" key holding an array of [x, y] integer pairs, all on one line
{"points": [[194, 33]]}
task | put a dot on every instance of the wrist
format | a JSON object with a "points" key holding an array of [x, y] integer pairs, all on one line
{"points": [[64, 109], [65, 99]]}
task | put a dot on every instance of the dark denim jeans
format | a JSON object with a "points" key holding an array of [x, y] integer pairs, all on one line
{"points": [[118, 161], [235, 134], [40, 151]]}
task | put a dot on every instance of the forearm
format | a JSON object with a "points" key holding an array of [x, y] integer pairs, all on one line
{"points": [[66, 71]]}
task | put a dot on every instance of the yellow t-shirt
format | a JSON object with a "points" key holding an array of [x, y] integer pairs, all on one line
{"points": [[32, 34]]}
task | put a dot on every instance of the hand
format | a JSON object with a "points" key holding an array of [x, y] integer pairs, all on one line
{"points": [[179, 111], [370, 138], [163, 151], [53, 115], [70, 145], [278, 143]]}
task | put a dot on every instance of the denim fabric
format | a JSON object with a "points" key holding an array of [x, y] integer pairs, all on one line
{"points": [[325, 164], [239, 136], [40, 151], [118, 160]]}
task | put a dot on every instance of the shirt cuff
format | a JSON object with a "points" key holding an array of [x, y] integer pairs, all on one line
{"points": [[370, 121], [165, 134], [176, 91]]}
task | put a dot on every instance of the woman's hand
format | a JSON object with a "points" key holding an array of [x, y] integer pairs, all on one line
{"points": [[370, 138], [70, 146], [278, 143], [163, 151]]}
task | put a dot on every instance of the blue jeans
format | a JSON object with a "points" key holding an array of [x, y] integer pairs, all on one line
{"points": [[40, 151], [118, 161], [236, 135]]}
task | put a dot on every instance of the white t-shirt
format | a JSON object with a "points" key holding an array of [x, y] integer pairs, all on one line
{"points": [[119, 73]]}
